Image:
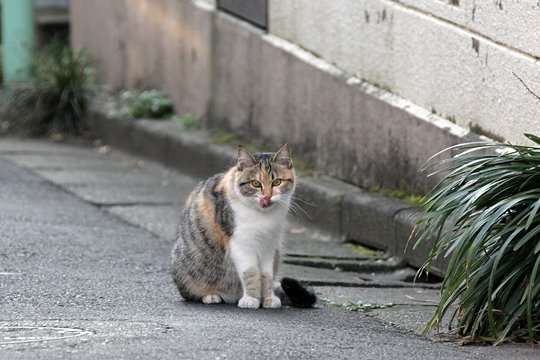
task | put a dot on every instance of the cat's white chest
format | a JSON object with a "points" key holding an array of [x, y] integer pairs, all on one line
{"points": [[257, 228]]}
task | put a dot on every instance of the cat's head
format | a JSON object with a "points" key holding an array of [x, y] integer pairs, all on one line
{"points": [[265, 180]]}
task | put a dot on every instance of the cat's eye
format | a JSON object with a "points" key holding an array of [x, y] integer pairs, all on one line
{"points": [[276, 182], [256, 184]]}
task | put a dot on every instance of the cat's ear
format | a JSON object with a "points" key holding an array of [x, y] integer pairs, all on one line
{"points": [[283, 156], [245, 159]]}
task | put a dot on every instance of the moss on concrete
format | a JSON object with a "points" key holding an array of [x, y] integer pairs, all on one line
{"points": [[221, 137], [364, 251], [481, 131], [415, 199]]}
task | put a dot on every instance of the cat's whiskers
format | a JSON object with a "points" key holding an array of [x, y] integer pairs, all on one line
{"points": [[298, 211], [296, 198], [294, 209]]}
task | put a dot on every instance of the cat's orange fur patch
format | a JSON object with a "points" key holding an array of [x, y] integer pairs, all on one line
{"points": [[202, 289], [189, 201], [222, 185], [266, 179], [225, 181], [208, 217]]}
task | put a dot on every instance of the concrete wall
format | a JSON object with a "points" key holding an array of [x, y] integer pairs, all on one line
{"points": [[163, 44], [269, 89], [455, 57], [266, 88]]}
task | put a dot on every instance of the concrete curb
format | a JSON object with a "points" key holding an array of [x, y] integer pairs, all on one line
{"points": [[349, 212]]}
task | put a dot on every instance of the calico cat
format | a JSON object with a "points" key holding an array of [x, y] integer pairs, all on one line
{"points": [[230, 233]]}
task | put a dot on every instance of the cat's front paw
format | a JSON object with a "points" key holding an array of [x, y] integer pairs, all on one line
{"points": [[272, 302], [249, 302]]}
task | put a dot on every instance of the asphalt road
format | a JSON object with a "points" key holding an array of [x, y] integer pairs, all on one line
{"points": [[78, 282]]}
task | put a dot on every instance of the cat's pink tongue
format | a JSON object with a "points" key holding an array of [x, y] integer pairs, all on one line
{"points": [[265, 202]]}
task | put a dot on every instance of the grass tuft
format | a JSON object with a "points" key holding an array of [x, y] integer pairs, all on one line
{"points": [[54, 100], [485, 217]]}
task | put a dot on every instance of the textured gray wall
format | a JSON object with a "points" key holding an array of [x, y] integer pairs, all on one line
{"points": [[163, 44], [263, 88], [455, 57]]}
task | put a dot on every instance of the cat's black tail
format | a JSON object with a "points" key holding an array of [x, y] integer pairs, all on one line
{"points": [[297, 294]]}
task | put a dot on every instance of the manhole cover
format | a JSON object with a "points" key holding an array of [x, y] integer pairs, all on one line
{"points": [[29, 334]]}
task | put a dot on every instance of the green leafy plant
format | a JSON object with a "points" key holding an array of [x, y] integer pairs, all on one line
{"points": [[136, 104], [54, 100], [190, 122], [485, 217], [187, 121]]}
